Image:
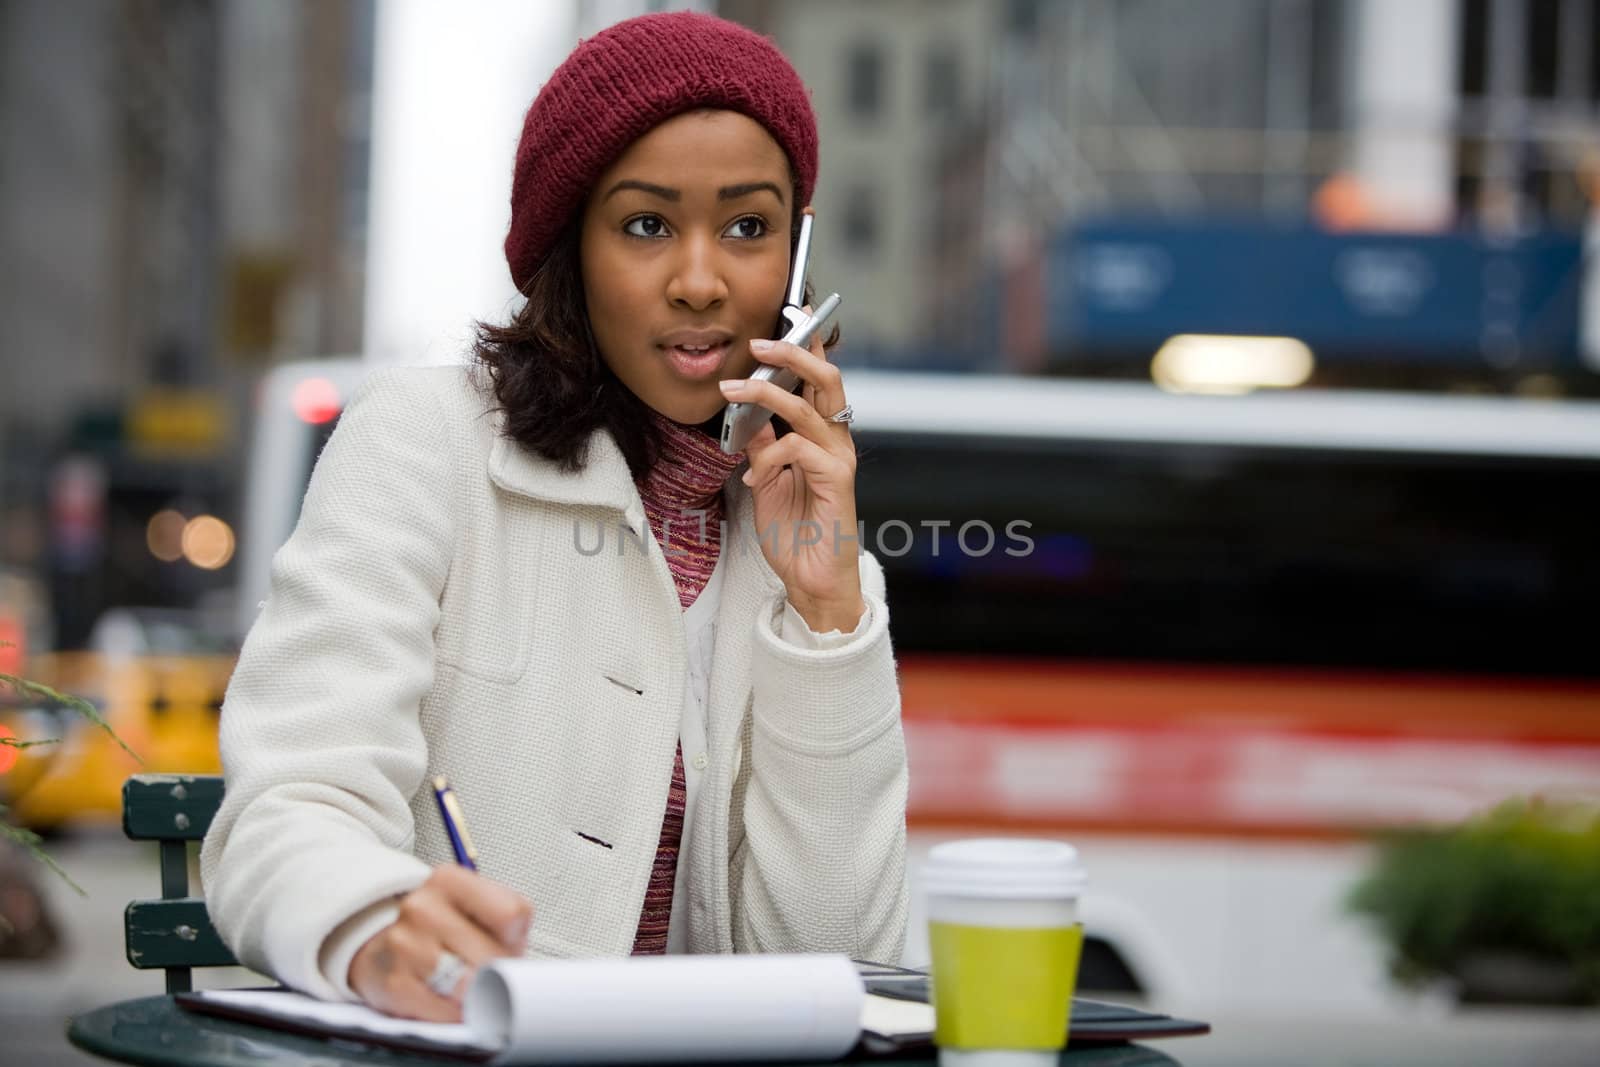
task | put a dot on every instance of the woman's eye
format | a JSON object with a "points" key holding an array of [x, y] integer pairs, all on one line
{"points": [[645, 226], [748, 227]]}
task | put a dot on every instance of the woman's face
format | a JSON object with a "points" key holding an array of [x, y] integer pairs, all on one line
{"points": [[685, 255]]}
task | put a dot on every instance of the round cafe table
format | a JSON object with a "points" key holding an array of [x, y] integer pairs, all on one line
{"points": [[155, 1031]]}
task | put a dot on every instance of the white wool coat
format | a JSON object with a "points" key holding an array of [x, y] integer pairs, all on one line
{"points": [[440, 609]]}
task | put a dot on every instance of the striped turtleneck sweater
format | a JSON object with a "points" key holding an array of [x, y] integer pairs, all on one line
{"points": [[687, 479]]}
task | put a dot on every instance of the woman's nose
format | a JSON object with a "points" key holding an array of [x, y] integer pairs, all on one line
{"points": [[697, 279]]}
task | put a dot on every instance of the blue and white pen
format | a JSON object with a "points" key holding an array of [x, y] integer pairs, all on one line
{"points": [[454, 825]]}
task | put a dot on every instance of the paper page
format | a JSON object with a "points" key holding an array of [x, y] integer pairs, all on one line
{"points": [[890, 1017], [667, 1008], [287, 1005]]}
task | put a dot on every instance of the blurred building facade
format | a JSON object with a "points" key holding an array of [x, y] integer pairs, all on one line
{"points": [[182, 185], [184, 190], [891, 82], [187, 194], [962, 138]]}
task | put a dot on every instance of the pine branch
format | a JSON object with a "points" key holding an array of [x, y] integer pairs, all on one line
{"points": [[30, 842], [12, 742], [77, 704]]}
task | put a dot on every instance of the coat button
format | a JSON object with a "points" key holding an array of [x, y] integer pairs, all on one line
{"points": [[700, 762]]}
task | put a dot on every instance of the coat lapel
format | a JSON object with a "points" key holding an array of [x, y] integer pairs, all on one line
{"points": [[749, 586], [748, 591]]}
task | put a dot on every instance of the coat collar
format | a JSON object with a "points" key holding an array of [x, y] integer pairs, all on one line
{"points": [[605, 480]]}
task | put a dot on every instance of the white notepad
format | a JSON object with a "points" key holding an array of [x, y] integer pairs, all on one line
{"points": [[343, 1019], [643, 1009]]}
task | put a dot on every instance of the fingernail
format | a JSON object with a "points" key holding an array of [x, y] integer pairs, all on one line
{"points": [[748, 477], [732, 385], [760, 344]]}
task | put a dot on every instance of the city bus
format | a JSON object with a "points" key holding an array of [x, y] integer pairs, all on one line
{"points": [[1244, 634]]}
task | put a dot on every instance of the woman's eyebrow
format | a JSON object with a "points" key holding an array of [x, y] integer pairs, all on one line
{"points": [[727, 192], [644, 187], [734, 192]]}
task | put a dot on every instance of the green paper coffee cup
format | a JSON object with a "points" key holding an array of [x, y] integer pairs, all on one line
{"points": [[1003, 927]]}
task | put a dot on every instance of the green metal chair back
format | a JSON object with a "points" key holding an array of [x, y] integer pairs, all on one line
{"points": [[175, 932]]}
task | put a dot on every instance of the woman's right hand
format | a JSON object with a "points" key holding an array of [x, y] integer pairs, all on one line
{"points": [[455, 910]]}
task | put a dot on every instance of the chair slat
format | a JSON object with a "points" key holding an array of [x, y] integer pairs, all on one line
{"points": [[169, 807], [173, 933]]}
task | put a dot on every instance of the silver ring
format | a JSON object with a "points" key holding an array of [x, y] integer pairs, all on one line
{"points": [[844, 414], [447, 974]]}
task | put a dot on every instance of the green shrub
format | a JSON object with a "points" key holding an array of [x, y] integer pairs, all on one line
{"points": [[1522, 879]]}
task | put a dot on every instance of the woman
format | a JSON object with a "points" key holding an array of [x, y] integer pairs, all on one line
{"points": [[542, 578]]}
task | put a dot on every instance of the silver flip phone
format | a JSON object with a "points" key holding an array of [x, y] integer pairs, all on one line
{"points": [[742, 421]]}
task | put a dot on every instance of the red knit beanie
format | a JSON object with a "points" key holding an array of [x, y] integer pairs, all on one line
{"points": [[619, 84]]}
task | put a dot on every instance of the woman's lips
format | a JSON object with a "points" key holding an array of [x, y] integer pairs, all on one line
{"points": [[693, 364]]}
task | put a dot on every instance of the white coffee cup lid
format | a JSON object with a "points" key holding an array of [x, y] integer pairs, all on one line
{"points": [[1004, 868]]}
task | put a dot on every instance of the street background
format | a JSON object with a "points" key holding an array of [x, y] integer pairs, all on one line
{"points": [[1277, 321]]}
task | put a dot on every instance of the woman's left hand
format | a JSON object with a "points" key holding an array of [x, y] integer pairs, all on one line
{"points": [[804, 486]]}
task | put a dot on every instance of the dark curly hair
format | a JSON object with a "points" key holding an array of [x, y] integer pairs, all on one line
{"points": [[550, 381]]}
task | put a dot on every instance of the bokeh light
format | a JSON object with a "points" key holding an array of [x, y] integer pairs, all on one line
{"points": [[208, 542], [316, 400], [164, 535]]}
